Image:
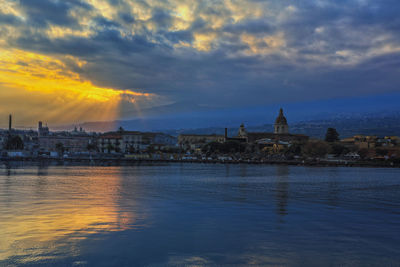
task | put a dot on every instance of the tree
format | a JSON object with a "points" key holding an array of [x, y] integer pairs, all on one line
{"points": [[14, 143], [363, 152], [316, 149], [382, 152], [110, 148], [131, 149], [338, 149], [211, 147], [91, 147], [227, 147], [294, 149], [150, 149], [331, 135], [60, 148]]}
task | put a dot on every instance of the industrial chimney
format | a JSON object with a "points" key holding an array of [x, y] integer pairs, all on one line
{"points": [[10, 123]]}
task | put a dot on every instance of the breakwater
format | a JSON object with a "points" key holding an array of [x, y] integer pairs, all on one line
{"points": [[129, 161]]}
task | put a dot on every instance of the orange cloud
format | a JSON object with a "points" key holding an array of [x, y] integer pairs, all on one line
{"points": [[265, 44]]}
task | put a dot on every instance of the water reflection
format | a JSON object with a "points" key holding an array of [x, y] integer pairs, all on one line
{"points": [[43, 169], [42, 213], [7, 168], [183, 214], [282, 190], [243, 170], [333, 188]]}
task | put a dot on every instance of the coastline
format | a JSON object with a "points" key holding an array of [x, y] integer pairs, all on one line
{"points": [[130, 161]]}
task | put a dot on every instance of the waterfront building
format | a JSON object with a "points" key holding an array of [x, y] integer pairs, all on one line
{"points": [[388, 141], [272, 146], [71, 144], [110, 143], [30, 140], [281, 133], [129, 142], [165, 139], [132, 141], [361, 141]]}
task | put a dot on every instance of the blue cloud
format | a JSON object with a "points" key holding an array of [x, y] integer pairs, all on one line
{"points": [[41, 13], [8, 19]]}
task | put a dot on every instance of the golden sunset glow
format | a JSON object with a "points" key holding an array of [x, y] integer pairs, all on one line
{"points": [[58, 86], [60, 32], [8, 7], [203, 42], [263, 45]]}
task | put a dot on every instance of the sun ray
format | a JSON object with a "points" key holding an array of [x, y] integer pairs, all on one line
{"points": [[68, 97]]}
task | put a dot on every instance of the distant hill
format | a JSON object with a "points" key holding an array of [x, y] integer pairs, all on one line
{"points": [[368, 124], [349, 125], [379, 115]]}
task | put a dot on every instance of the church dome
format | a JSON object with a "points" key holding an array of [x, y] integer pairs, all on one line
{"points": [[281, 118]]}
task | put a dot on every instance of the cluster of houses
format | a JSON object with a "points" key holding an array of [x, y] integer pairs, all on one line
{"points": [[373, 147], [44, 143]]}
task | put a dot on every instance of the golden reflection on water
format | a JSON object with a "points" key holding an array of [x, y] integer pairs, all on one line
{"points": [[40, 214]]}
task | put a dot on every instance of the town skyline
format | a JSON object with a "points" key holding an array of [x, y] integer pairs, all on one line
{"points": [[282, 145]]}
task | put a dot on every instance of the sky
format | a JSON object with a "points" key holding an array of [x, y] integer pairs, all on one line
{"points": [[70, 61]]}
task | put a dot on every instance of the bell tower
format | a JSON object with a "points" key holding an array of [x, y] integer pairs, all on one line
{"points": [[242, 131], [281, 126]]}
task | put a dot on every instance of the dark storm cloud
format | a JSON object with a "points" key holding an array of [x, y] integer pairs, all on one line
{"points": [[225, 55], [249, 26], [105, 23], [76, 46], [41, 13], [106, 41], [178, 36], [162, 18], [7, 19], [126, 17]]}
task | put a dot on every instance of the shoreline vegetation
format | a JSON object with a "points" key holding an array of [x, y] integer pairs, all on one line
{"points": [[129, 161]]}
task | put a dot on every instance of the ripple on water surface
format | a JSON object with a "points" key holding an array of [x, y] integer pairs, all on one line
{"points": [[199, 214]]}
